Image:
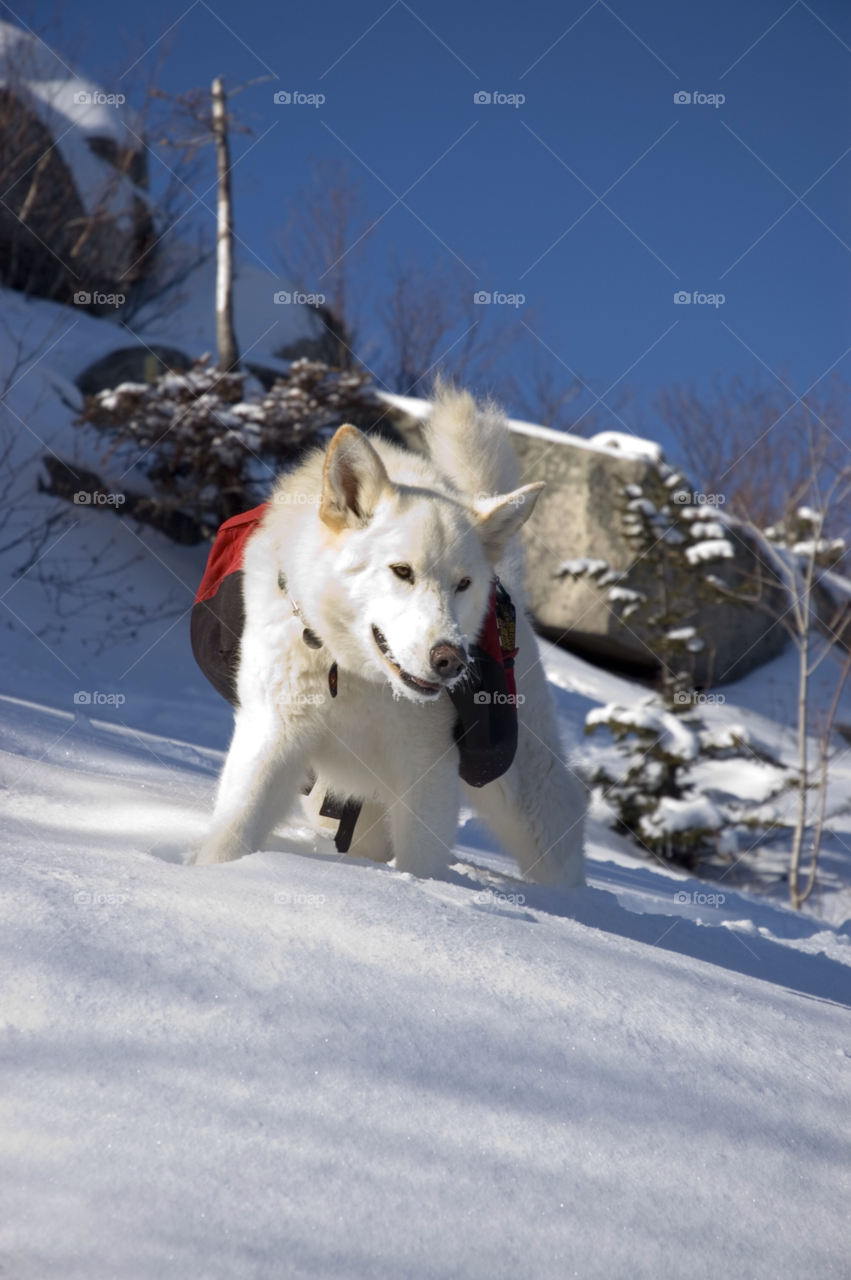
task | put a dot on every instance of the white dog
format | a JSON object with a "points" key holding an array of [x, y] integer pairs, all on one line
{"points": [[378, 563]]}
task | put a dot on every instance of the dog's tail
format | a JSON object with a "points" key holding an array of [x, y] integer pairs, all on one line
{"points": [[471, 442]]}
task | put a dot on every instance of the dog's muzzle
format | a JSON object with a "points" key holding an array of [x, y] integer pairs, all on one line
{"points": [[447, 662]]}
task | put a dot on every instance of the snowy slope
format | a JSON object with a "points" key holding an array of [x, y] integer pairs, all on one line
{"points": [[306, 1065]]}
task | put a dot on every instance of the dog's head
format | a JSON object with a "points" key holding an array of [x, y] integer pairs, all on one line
{"points": [[412, 571]]}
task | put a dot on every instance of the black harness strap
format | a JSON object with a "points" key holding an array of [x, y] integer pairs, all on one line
{"points": [[346, 812]]}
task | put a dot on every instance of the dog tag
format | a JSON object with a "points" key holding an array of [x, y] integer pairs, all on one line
{"points": [[311, 639], [282, 580]]}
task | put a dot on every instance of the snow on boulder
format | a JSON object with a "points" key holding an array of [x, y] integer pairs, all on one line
{"points": [[593, 511], [74, 219], [628, 446]]}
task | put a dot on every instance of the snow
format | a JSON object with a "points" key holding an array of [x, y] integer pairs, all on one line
{"points": [[626, 594], [582, 564], [307, 1065], [682, 815], [309, 1057], [675, 737], [688, 636], [820, 546], [729, 736], [644, 505], [711, 549], [708, 529], [628, 445], [611, 442]]}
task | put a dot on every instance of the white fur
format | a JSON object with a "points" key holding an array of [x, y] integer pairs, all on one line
{"points": [[380, 740]]}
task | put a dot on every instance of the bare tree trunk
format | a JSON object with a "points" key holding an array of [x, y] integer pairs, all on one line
{"points": [[824, 762], [800, 824], [225, 338]]}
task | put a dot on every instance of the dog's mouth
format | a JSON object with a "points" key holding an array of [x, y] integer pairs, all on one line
{"points": [[426, 687]]}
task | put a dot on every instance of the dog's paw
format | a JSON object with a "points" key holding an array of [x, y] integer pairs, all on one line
{"points": [[218, 848]]}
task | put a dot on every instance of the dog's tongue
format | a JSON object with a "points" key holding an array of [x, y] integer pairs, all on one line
{"points": [[421, 684]]}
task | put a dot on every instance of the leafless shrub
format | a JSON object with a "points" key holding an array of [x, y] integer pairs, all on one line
{"points": [[322, 248], [758, 444]]}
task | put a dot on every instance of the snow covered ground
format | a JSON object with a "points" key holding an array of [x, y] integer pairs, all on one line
{"points": [[301, 1064], [312, 1066]]}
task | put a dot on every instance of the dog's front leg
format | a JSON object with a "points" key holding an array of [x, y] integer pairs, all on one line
{"points": [[424, 820], [259, 784]]}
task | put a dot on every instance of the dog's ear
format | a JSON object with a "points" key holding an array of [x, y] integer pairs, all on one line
{"points": [[500, 518], [353, 480]]}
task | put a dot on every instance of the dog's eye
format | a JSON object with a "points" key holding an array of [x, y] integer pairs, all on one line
{"points": [[463, 584], [403, 571]]}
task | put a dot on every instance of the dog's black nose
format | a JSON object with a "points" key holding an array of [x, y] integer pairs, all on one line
{"points": [[447, 660]]}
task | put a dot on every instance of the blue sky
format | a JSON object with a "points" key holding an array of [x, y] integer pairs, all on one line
{"points": [[598, 198]]}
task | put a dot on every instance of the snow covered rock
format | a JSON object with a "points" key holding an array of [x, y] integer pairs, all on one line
{"points": [[590, 520], [75, 219]]}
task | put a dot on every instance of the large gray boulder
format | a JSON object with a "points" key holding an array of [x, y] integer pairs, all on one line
{"points": [[579, 515]]}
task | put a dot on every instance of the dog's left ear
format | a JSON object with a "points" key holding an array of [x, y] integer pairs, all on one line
{"points": [[501, 517], [353, 480]]}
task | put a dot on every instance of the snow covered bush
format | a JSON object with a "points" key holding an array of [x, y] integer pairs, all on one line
{"points": [[649, 785], [206, 451], [651, 788]]}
